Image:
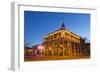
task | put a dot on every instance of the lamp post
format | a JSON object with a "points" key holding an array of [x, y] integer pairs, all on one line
{"points": [[40, 48]]}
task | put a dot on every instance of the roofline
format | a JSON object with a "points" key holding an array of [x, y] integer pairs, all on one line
{"points": [[66, 30]]}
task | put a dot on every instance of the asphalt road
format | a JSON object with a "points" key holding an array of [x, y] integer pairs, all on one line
{"points": [[44, 58]]}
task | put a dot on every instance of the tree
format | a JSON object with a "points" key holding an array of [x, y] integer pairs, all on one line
{"points": [[86, 40], [26, 44]]}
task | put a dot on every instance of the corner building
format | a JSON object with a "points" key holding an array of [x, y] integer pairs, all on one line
{"points": [[62, 42]]}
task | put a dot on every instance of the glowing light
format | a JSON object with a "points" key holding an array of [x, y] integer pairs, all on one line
{"points": [[40, 47]]}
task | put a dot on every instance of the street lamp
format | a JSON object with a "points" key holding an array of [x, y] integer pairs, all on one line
{"points": [[40, 47]]}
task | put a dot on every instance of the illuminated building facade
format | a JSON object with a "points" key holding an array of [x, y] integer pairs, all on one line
{"points": [[61, 42]]}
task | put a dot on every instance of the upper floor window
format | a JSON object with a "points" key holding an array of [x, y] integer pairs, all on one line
{"points": [[55, 35]]}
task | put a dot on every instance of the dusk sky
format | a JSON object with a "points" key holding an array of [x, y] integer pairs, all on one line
{"points": [[38, 24]]}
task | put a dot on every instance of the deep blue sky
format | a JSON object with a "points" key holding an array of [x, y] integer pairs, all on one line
{"points": [[38, 24]]}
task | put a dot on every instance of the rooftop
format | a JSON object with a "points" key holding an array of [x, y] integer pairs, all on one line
{"points": [[62, 27]]}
